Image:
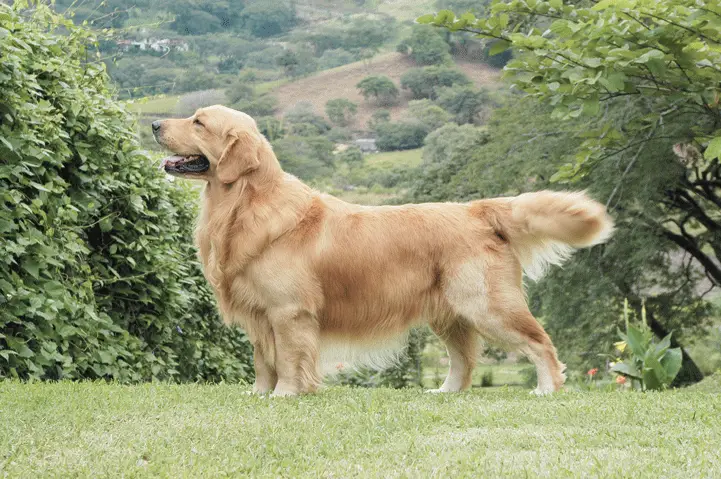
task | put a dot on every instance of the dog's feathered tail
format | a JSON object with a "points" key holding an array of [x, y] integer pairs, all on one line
{"points": [[544, 228]]}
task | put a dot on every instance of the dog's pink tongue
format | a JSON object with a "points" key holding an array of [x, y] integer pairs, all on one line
{"points": [[169, 160]]}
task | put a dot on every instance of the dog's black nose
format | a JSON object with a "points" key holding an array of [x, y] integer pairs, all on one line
{"points": [[155, 125]]}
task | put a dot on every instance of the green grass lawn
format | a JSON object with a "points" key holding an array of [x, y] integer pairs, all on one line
{"points": [[155, 430], [164, 104], [388, 158]]}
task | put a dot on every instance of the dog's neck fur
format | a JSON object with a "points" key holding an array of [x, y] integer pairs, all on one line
{"points": [[236, 218]]}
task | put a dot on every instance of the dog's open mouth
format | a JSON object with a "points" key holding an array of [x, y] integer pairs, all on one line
{"points": [[185, 164]]}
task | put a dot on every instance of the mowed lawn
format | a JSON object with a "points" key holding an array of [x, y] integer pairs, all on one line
{"points": [[156, 430]]}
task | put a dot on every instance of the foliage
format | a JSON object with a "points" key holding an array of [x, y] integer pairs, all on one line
{"points": [[197, 17], [266, 19], [661, 58], [262, 105], [518, 150], [403, 135], [341, 111], [272, 128], [303, 121], [653, 365], [351, 156], [297, 61], [98, 276], [190, 102], [407, 371], [465, 103], [425, 82], [429, 115], [360, 32], [379, 86], [335, 58], [378, 119], [307, 157], [425, 46]]}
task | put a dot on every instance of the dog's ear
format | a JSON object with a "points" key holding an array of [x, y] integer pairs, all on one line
{"points": [[240, 156]]}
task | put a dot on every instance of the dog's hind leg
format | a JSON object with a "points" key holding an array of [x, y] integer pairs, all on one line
{"points": [[461, 341], [497, 309]]}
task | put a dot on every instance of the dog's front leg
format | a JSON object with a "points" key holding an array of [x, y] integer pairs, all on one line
{"points": [[296, 337], [265, 375]]}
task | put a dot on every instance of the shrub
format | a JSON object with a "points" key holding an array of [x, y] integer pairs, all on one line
{"points": [[401, 136], [341, 111], [425, 82], [98, 278]]}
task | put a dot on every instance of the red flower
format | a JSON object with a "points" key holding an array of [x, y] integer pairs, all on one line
{"points": [[620, 379], [592, 372]]}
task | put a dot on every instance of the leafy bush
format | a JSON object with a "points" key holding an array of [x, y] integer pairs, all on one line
{"points": [[98, 278], [425, 82], [401, 136], [341, 111]]}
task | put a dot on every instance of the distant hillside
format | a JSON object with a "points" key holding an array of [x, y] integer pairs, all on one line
{"points": [[341, 82]]}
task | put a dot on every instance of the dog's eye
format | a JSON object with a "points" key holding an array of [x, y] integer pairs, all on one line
{"points": [[197, 122]]}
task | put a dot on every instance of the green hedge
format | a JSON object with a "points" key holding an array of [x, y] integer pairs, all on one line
{"points": [[98, 276]]}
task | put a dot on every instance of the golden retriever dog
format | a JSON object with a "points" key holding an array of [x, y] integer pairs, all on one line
{"points": [[300, 270]]}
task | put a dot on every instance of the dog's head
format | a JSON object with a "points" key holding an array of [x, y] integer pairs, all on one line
{"points": [[215, 143]]}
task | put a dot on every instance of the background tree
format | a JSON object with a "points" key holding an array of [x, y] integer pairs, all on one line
{"points": [[380, 87], [266, 19], [429, 115], [404, 135], [425, 46], [425, 82], [465, 103], [640, 76], [341, 111]]}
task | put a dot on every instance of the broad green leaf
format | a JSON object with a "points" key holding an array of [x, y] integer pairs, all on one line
{"points": [[499, 46], [671, 362], [636, 341], [626, 369], [713, 150], [557, 4], [425, 19]]}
